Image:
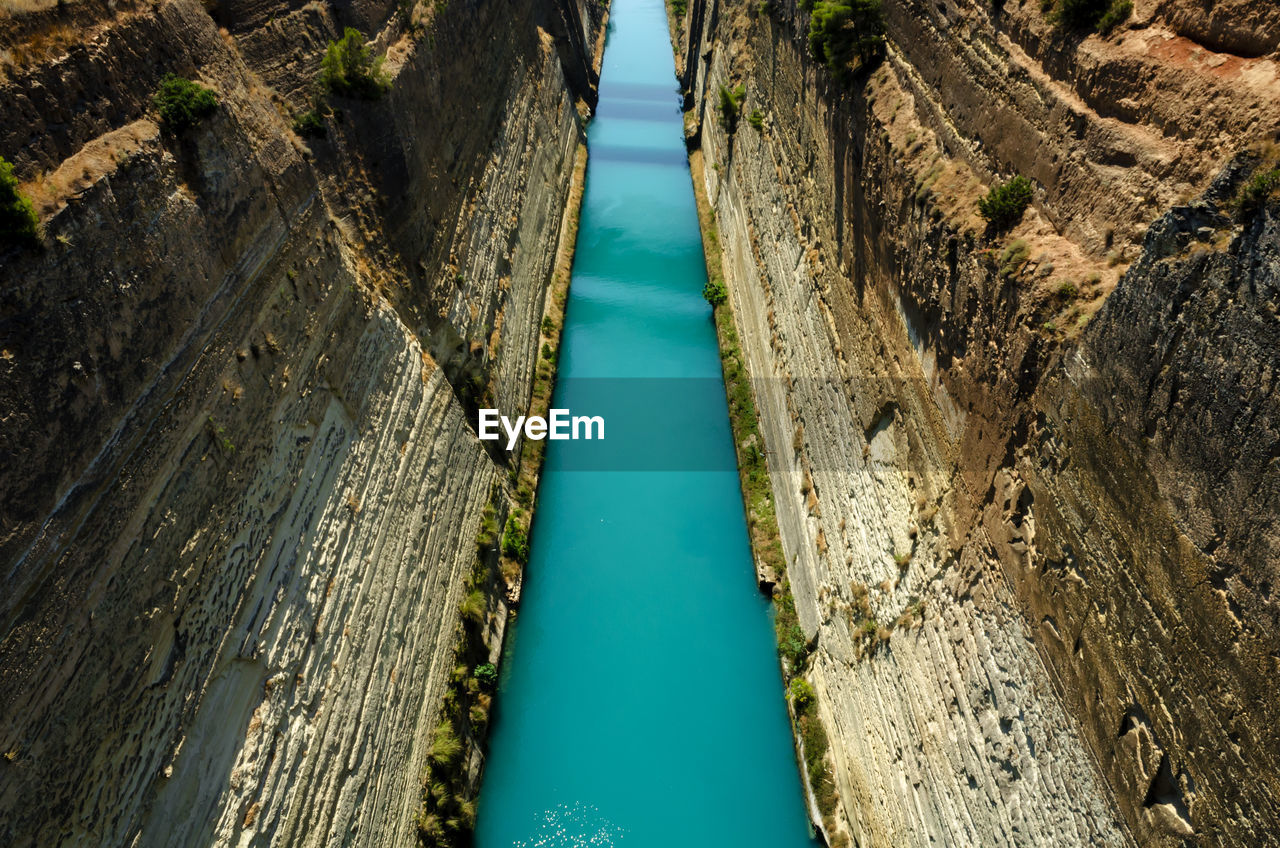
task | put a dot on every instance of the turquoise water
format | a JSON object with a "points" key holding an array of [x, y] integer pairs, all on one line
{"points": [[641, 703]]}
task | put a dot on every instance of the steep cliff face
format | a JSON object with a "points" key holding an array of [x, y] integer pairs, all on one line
{"points": [[1026, 483], [240, 488]]}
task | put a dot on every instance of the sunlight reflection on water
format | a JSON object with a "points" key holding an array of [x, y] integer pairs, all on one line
{"points": [[573, 826]]}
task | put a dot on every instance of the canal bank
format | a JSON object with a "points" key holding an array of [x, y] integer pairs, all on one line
{"points": [[762, 522], [640, 700], [455, 762]]}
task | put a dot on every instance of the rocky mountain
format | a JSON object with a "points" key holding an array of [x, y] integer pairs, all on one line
{"points": [[241, 491], [1026, 478]]}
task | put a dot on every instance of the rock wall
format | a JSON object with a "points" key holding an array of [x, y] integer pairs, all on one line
{"points": [[1025, 483], [241, 491]]}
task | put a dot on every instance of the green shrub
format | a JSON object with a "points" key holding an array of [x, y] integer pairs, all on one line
{"points": [[515, 541], [310, 125], [1004, 204], [1100, 15], [349, 68], [19, 223], [183, 103], [487, 674], [1255, 192], [792, 644], [1081, 14], [801, 694], [715, 292], [846, 36], [756, 119], [678, 7], [731, 106], [1115, 15]]}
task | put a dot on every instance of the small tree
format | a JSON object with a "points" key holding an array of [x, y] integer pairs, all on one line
{"points": [[19, 223], [183, 103], [715, 292], [846, 36], [1117, 13], [349, 68], [1100, 15], [1004, 204], [1080, 13]]}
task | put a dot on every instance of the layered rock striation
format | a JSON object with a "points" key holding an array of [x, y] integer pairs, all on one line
{"points": [[241, 488], [1026, 482]]}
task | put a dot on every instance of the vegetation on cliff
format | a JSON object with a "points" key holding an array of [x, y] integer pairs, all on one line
{"points": [[183, 103], [19, 223], [1256, 191], [753, 468], [310, 124], [762, 520], [731, 106], [1004, 204], [813, 737], [846, 36], [448, 811], [1116, 14], [515, 539], [349, 68], [715, 292], [1100, 15], [525, 473]]}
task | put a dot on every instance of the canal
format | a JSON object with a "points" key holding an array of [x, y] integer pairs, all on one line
{"points": [[641, 701]]}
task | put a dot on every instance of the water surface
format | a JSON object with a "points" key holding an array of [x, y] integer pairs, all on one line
{"points": [[641, 703]]}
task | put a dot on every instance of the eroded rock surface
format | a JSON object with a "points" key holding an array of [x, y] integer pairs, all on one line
{"points": [[241, 493], [1026, 482]]}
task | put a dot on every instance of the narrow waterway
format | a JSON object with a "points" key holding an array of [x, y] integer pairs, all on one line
{"points": [[641, 703]]}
